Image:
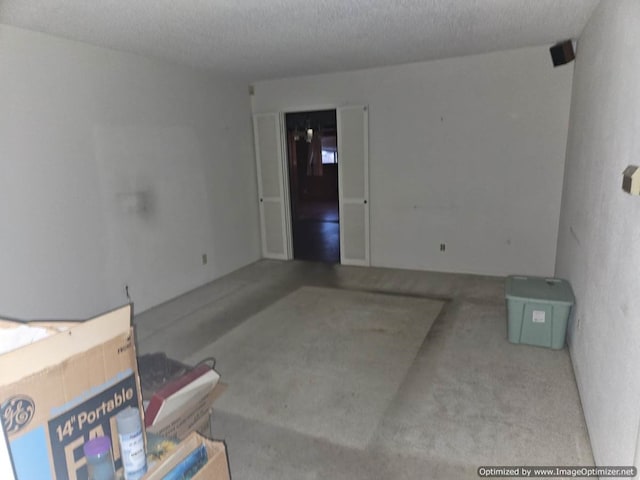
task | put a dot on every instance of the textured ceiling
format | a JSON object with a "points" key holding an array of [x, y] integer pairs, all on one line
{"points": [[259, 39]]}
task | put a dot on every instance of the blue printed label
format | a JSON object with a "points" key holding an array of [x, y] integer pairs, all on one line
{"points": [[94, 417], [134, 459]]}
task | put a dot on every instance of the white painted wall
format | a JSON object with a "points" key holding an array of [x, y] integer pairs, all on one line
{"points": [[466, 151], [599, 235], [84, 129]]}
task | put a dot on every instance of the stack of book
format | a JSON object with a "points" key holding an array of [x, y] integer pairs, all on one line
{"points": [[179, 392], [183, 404]]}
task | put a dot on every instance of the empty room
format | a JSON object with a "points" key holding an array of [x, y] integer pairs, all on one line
{"points": [[402, 233]]}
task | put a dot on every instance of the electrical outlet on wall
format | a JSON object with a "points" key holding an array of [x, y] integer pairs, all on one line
{"points": [[443, 247], [204, 259]]}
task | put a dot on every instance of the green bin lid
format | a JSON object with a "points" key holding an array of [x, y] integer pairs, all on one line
{"points": [[552, 290]]}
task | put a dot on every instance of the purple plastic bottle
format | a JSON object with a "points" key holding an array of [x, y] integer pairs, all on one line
{"points": [[99, 460]]}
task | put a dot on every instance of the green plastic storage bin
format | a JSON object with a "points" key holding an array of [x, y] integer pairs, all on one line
{"points": [[538, 310]]}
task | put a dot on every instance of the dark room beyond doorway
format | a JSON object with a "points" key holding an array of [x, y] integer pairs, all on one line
{"points": [[312, 157]]}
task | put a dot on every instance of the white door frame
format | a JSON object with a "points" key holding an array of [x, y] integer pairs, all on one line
{"points": [[284, 149]]}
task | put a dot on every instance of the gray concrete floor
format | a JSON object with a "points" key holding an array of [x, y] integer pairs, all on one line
{"points": [[470, 397]]}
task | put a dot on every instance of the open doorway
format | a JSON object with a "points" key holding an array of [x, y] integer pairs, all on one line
{"points": [[312, 160]]}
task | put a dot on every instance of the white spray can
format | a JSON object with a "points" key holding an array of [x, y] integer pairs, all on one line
{"points": [[134, 458]]}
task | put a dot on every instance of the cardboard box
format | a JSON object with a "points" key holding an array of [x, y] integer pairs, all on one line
{"points": [[60, 391], [216, 468], [193, 416]]}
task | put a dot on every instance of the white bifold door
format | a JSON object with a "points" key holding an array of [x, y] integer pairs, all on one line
{"points": [[274, 223], [353, 178], [353, 185]]}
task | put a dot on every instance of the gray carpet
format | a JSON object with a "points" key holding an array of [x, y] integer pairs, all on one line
{"points": [[322, 362], [470, 398]]}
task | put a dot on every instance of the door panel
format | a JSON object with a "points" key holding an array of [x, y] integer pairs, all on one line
{"points": [[353, 226], [268, 145], [273, 237], [353, 178]]}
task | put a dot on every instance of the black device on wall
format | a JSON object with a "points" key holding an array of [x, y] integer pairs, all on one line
{"points": [[562, 52]]}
